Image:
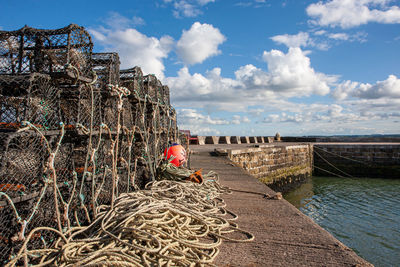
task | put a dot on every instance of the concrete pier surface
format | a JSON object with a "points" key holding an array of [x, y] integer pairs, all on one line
{"points": [[283, 235]]}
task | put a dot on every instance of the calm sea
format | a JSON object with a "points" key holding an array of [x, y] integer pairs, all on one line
{"points": [[362, 213]]}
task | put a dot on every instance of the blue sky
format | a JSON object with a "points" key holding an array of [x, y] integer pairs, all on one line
{"points": [[250, 67]]}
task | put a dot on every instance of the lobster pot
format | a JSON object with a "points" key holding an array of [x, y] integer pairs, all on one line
{"points": [[23, 158], [30, 50], [150, 117], [150, 86], [81, 105], [106, 66], [103, 169], [128, 114], [142, 174], [25, 179], [133, 80], [30, 97], [164, 114], [110, 111], [43, 215], [165, 95]]}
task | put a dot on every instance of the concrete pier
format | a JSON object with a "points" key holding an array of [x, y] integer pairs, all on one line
{"points": [[283, 235]]}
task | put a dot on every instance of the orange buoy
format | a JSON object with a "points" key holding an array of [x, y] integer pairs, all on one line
{"points": [[178, 152]]}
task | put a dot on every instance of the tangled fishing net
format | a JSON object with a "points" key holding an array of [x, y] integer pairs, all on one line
{"points": [[170, 223]]}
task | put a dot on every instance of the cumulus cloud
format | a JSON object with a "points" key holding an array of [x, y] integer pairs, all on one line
{"points": [[352, 13], [389, 88], [198, 43], [292, 73], [288, 75], [135, 48]]}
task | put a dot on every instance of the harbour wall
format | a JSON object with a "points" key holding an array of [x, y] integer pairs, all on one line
{"points": [[283, 166], [357, 160], [280, 167]]}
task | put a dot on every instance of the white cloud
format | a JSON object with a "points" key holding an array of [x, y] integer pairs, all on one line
{"points": [[352, 13], [254, 3], [191, 116], [320, 32], [138, 21], [339, 36], [198, 43], [389, 88], [292, 73], [320, 39], [187, 8], [297, 40], [288, 75], [236, 119], [342, 90], [198, 123], [332, 113], [245, 119], [136, 49], [205, 2]]}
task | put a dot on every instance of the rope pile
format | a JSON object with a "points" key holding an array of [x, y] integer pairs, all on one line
{"points": [[170, 223]]}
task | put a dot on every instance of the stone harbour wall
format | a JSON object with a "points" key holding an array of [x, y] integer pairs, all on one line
{"points": [[358, 160], [280, 167]]}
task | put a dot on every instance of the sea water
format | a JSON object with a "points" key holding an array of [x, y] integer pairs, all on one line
{"points": [[363, 213]]}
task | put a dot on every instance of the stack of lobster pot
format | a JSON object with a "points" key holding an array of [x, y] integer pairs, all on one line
{"points": [[151, 133], [43, 77], [75, 132]]}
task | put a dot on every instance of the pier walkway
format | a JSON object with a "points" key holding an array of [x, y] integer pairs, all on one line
{"points": [[283, 235]]}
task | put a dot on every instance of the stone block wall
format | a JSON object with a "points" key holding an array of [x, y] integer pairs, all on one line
{"points": [[280, 167], [358, 160]]}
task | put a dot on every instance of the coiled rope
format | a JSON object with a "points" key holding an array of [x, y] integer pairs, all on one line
{"points": [[169, 223]]}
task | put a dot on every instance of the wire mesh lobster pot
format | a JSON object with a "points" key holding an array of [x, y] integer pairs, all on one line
{"points": [[24, 161], [23, 158], [150, 86], [129, 114], [33, 212], [106, 66], [81, 105], [133, 80], [31, 50], [25, 178], [30, 97], [109, 108], [173, 124], [165, 95]]}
